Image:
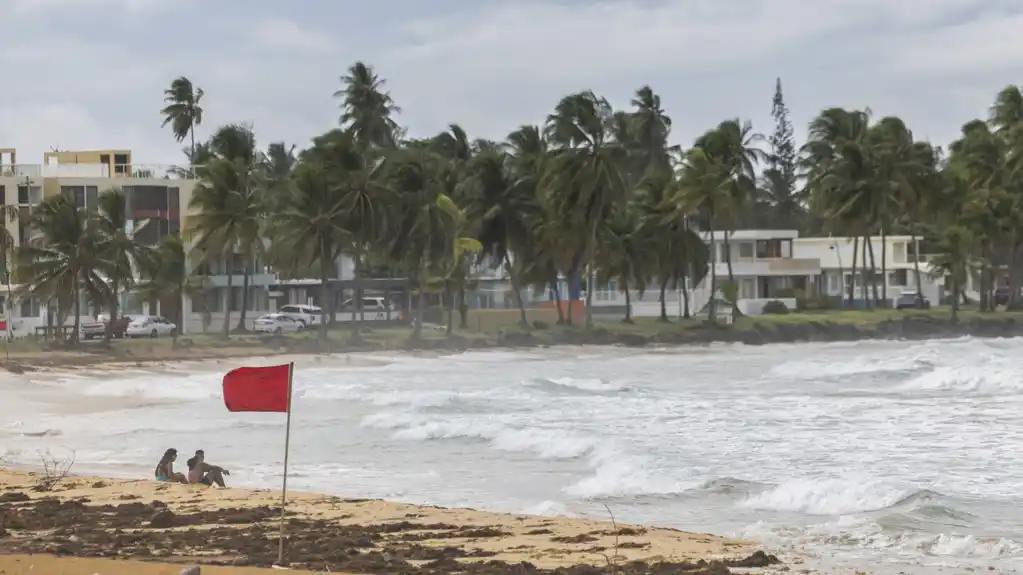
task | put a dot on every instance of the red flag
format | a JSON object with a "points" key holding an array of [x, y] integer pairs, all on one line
{"points": [[258, 388]]}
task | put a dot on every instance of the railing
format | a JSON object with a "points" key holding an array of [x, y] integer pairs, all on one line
{"points": [[140, 171], [794, 265], [20, 170]]}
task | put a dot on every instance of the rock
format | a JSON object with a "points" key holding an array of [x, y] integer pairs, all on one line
{"points": [[162, 519], [13, 497], [193, 570]]}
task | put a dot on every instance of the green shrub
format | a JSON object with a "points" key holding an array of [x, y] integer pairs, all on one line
{"points": [[788, 293], [775, 307]]}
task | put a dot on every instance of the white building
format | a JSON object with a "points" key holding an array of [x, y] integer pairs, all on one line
{"points": [[835, 255]]}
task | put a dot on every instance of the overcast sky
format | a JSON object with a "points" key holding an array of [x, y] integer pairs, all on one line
{"points": [[81, 74]]}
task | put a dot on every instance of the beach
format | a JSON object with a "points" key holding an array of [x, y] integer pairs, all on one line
{"points": [[115, 518], [840, 458]]}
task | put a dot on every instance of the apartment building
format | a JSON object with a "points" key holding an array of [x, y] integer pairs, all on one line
{"points": [[156, 194]]}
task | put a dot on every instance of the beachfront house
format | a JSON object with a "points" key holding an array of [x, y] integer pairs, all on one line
{"points": [[835, 255], [763, 265]]}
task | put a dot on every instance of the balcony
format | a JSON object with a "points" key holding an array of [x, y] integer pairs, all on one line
{"points": [[795, 266], [139, 171], [20, 171]]}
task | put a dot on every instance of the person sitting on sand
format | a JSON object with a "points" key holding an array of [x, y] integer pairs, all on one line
{"points": [[165, 469], [201, 472]]}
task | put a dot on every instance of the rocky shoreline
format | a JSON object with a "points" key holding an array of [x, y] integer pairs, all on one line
{"points": [[917, 327]]}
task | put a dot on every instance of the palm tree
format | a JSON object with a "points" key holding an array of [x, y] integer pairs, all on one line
{"points": [[227, 217], [416, 177], [310, 230], [124, 254], [368, 109], [502, 205], [168, 275], [183, 110], [67, 258], [583, 179], [705, 187], [841, 176], [8, 214], [734, 146], [625, 255], [451, 268]]}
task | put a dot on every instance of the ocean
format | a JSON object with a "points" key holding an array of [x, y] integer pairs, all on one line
{"points": [[901, 456]]}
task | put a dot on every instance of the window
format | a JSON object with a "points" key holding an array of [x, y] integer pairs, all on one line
{"points": [[747, 289], [213, 300], [83, 196], [3, 195], [29, 307], [897, 278], [767, 249], [722, 253], [746, 250], [22, 195], [898, 252]]}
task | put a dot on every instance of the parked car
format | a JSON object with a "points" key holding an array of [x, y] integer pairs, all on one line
{"points": [[151, 326], [98, 328], [1002, 295], [277, 323], [911, 300], [373, 309], [307, 315]]}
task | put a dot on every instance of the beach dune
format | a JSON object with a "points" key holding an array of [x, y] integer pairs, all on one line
{"points": [[85, 521]]}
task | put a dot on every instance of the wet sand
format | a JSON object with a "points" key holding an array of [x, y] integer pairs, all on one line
{"points": [[176, 525]]}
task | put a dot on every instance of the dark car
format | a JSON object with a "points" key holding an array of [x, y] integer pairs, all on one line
{"points": [[1002, 295], [912, 300]]}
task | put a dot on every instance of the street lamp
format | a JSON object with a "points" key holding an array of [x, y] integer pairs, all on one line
{"points": [[841, 272]]}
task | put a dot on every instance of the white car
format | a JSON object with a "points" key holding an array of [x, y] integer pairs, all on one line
{"points": [[373, 309], [307, 315], [277, 323], [150, 326]]}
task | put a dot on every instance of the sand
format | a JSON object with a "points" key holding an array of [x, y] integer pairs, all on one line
{"points": [[67, 530]]}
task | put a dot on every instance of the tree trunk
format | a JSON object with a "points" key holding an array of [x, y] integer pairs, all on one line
{"points": [[982, 278], [1013, 303], [230, 294], [916, 267], [591, 274], [852, 274], [873, 270], [664, 303], [78, 308], [731, 274], [955, 296], [463, 308], [713, 303], [628, 304], [884, 266], [685, 298], [356, 297], [417, 327], [359, 289], [108, 331], [556, 294], [191, 159], [518, 292], [449, 302], [325, 289], [245, 301]]}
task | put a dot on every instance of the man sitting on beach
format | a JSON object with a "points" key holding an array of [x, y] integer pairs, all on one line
{"points": [[201, 472]]}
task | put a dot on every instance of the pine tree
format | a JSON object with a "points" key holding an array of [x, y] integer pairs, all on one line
{"points": [[781, 173]]}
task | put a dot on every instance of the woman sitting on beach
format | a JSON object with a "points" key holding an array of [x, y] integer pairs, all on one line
{"points": [[201, 472], [165, 469]]}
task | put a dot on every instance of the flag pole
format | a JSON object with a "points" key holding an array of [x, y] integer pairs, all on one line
{"points": [[284, 486]]}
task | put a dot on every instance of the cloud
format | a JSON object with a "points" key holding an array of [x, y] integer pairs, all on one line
{"points": [[81, 76], [285, 34]]}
